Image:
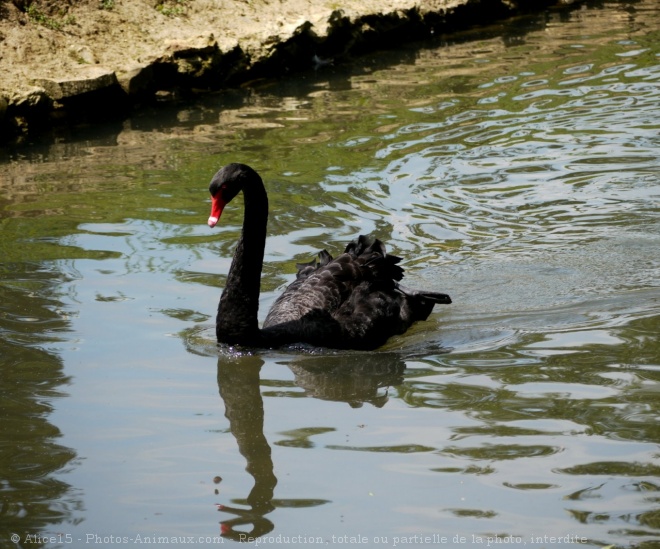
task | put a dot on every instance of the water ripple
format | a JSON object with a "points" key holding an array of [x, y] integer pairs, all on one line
{"points": [[501, 176]]}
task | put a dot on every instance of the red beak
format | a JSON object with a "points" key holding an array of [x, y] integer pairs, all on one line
{"points": [[217, 205]]}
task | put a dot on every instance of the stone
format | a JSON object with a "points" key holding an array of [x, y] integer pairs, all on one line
{"points": [[137, 79], [85, 80]]}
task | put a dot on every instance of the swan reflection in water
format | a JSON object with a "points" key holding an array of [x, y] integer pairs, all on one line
{"points": [[354, 379]]}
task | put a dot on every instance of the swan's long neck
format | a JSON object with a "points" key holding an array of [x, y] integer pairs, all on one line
{"points": [[237, 320]]}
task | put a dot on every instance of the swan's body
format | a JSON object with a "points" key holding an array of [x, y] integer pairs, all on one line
{"points": [[352, 302]]}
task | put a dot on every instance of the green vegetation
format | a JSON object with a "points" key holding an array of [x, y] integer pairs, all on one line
{"points": [[36, 14], [172, 8]]}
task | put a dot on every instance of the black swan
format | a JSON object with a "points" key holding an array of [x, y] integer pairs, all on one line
{"points": [[352, 302]]}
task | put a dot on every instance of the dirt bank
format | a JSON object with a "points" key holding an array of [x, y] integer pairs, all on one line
{"points": [[64, 60]]}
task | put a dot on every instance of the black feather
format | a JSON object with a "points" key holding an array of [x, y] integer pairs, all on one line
{"points": [[352, 301]]}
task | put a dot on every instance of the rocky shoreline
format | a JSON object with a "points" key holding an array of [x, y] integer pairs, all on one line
{"points": [[72, 60]]}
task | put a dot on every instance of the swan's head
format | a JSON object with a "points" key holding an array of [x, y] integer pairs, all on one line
{"points": [[225, 185]]}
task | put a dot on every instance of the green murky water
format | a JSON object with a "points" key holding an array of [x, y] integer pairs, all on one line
{"points": [[515, 168]]}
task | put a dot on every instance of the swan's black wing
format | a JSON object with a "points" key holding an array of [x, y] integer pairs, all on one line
{"points": [[306, 269], [353, 301]]}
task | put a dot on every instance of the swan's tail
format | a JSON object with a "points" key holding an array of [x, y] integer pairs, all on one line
{"points": [[419, 304], [432, 297]]}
